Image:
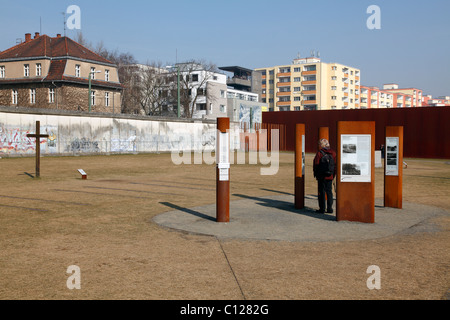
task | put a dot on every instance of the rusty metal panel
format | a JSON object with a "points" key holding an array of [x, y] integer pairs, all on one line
{"points": [[355, 201], [393, 187], [426, 131]]}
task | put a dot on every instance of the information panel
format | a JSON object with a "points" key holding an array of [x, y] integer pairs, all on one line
{"points": [[303, 155], [356, 158], [223, 156], [392, 148]]}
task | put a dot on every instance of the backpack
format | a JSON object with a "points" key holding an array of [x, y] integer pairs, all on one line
{"points": [[326, 165]]}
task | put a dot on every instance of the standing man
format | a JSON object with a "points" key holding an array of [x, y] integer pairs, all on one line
{"points": [[324, 171]]}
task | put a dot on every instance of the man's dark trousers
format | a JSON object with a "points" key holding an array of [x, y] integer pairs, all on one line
{"points": [[325, 187]]}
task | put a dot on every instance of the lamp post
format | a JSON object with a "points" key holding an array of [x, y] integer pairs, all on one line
{"points": [[178, 89], [90, 98]]}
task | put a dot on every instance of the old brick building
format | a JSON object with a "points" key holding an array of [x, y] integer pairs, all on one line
{"points": [[53, 73]]}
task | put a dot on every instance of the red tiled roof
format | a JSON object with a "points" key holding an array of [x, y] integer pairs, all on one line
{"points": [[59, 48], [45, 46], [56, 70]]}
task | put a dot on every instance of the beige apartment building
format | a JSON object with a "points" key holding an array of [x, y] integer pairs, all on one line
{"points": [[310, 84], [53, 73]]}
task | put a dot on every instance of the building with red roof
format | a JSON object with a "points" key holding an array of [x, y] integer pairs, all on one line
{"points": [[53, 73]]}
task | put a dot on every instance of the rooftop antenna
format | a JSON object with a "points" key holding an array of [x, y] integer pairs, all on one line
{"points": [[64, 15], [318, 54]]}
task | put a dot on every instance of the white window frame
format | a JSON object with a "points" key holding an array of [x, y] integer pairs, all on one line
{"points": [[93, 97], [26, 70], [51, 95], [38, 69], [92, 73], [32, 96], [14, 96], [107, 99], [2, 72], [106, 75], [77, 71]]}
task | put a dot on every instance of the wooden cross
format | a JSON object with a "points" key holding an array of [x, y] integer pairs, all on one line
{"points": [[38, 137]]}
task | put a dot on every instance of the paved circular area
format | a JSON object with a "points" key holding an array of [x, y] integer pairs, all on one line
{"points": [[275, 218]]}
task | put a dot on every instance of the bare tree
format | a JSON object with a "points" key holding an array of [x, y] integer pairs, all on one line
{"points": [[123, 62], [194, 76], [79, 38], [148, 87]]}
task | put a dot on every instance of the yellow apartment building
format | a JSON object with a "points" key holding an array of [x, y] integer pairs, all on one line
{"points": [[310, 84]]}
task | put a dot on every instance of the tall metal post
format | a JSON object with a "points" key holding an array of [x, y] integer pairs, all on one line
{"points": [[223, 170], [299, 183]]}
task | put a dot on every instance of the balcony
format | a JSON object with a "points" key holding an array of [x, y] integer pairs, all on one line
{"points": [[283, 103], [283, 84], [283, 74], [309, 92], [307, 102], [310, 82], [239, 82], [283, 94], [308, 73]]}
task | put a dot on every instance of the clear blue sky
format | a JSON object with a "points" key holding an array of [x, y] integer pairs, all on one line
{"points": [[412, 48]]}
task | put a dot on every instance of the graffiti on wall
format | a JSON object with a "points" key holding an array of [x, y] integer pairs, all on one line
{"points": [[82, 145], [15, 140], [69, 135]]}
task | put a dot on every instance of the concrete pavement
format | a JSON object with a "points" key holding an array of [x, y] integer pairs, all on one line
{"points": [[275, 218]]}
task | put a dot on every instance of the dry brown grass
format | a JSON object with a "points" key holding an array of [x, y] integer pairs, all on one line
{"points": [[104, 225]]}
